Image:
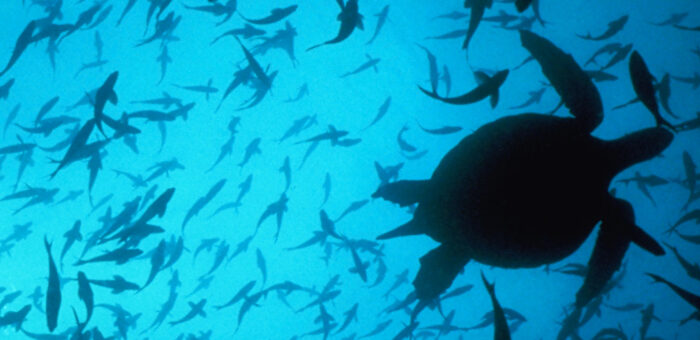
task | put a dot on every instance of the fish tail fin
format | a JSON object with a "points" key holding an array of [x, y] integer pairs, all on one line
{"points": [[490, 287], [47, 244]]}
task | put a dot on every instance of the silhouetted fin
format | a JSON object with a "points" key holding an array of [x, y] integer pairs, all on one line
{"points": [[407, 229], [643, 87], [404, 192], [500, 325], [522, 5], [637, 147], [574, 86], [438, 268], [609, 251], [645, 241], [689, 297], [570, 326]]}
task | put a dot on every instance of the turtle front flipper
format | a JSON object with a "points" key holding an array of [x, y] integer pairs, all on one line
{"points": [[616, 233], [438, 268], [573, 85]]}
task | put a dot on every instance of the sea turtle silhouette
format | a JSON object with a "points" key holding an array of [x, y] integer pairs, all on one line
{"points": [[527, 190]]}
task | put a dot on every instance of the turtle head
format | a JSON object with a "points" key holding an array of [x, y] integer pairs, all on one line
{"points": [[637, 147]]}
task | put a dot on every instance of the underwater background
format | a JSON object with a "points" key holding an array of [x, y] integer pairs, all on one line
{"points": [[249, 250]]}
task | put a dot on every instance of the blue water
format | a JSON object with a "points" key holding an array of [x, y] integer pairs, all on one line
{"points": [[349, 104]]}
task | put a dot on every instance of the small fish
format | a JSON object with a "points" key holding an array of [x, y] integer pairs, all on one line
{"points": [[488, 87], [370, 63], [614, 27], [195, 309], [403, 145], [349, 18], [301, 93], [692, 299], [252, 149], [643, 87], [673, 19], [383, 109], [85, 294], [206, 89], [240, 295], [449, 35], [261, 265], [164, 59], [287, 171], [326, 188], [354, 206], [71, 236], [247, 32], [157, 260], [203, 201], [433, 68], [445, 130], [359, 267], [381, 19], [276, 15], [23, 41], [104, 94], [53, 292]]}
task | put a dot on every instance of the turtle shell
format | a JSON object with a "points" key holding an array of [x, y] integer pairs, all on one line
{"points": [[519, 192]]}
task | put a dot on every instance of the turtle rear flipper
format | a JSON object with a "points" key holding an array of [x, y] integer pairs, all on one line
{"points": [[403, 193], [438, 268], [616, 233]]}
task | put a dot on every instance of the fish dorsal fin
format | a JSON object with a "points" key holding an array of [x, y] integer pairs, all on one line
{"points": [[481, 77]]}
